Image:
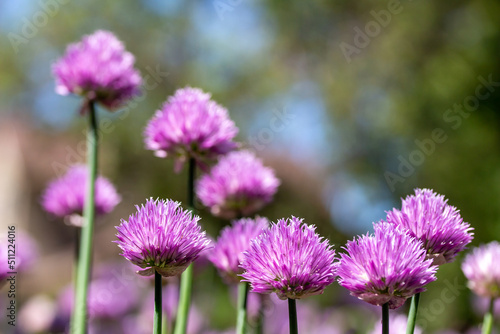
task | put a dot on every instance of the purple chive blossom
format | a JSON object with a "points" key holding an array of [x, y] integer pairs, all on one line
{"points": [[161, 236], [387, 267], [428, 217], [239, 185], [290, 259], [104, 300], [227, 253], [482, 270], [65, 196], [99, 69], [190, 125]]}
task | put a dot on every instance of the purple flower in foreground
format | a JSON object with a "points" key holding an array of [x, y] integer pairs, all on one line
{"points": [[387, 267], [290, 259], [99, 69], [482, 270], [190, 125], [428, 217], [161, 236], [227, 253], [65, 196], [238, 185]]}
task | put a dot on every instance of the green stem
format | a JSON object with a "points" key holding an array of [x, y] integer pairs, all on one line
{"points": [[412, 314], [83, 266], [241, 324], [385, 318], [187, 276], [164, 324], [158, 304], [260, 317], [488, 318], [292, 316], [76, 259]]}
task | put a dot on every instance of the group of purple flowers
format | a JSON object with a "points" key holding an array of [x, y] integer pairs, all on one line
{"points": [[286, 257]]}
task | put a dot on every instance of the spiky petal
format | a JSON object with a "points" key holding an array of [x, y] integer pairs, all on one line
{"points": [[190, 124], [227, 253], [99, 69], [161, 236], [387, 267], [428, 217], [239, 185], [290, 259], [482, 270]]}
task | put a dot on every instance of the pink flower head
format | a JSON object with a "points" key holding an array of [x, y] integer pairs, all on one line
{"points": [[239, 185], [387, 267], [190, 125], [482, 270], [427, 217], [161, 237], [65, 196], [99, 69], [290, 259], [227, 253]]}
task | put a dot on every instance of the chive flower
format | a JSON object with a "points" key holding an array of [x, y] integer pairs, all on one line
{"points": [[65, 197], [99, 69], [239, 185], [161, 237], [291, 259], [227, 253], [386, 267], [482, 270], [428, 217], [190, 125]]}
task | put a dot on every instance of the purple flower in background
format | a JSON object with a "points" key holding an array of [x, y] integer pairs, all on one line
{"points": [[190, 125], [482, 270], [65, 196], [238, 185], [290, 259], [387, 267], [26, 253], [99, 69], [227, 253], [104, 301], [428, 217], [161, 236]]}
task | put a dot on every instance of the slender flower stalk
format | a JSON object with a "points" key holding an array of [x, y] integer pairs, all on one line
{"points": [[187, 276], [412, 314], [385, 318], [157, 324], [241, 323], [292, 316], [79, 321], [100, 70], [488, 318]]}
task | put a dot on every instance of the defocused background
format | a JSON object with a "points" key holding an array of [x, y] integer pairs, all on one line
{"points": [[353, 103]]}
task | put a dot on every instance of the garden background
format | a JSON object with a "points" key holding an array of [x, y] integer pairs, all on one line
{"points": [[353, 103]]}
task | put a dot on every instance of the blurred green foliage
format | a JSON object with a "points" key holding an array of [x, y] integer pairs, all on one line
{"points": [[403, 81]]}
